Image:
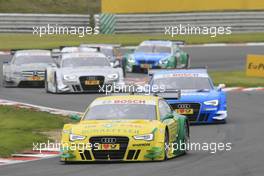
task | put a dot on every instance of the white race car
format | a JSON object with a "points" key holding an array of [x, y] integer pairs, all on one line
{"points": [[82, 72], [27, 68]]}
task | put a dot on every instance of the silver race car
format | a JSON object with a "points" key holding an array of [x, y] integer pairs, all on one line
{"points": [[111, 51], [27, 68], [82, 72]]}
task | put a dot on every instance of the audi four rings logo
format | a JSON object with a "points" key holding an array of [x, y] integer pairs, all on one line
{"points": [[108, 140], [183, 106]]}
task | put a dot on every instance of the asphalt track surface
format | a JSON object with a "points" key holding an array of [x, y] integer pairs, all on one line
{"points": [[244, 130]]}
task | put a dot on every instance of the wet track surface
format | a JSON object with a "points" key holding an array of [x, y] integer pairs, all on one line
{"points": [[244, 130]]}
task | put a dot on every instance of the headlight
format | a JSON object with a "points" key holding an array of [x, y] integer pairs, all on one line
{"points": [[164, 61], [112, 76], [131, 59], [74, 137], [178, 54], [69, 77], [211, 102], [145, 137]]}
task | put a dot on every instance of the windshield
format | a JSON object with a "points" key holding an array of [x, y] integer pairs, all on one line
{"points": [[85, 61], [121, 111], [154, 49], [197, 83], [20, 60]]}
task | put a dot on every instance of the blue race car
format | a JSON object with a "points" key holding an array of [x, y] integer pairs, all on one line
{"points": [[200, 101], [154, 54]]}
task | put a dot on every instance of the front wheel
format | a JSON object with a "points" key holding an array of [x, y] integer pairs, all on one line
{"points": [[3, 83], [55, 83], [166, 145], [186, 136], [46, 83]]}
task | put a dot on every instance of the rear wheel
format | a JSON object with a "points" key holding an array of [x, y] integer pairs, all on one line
{"points": [[188, 61]]}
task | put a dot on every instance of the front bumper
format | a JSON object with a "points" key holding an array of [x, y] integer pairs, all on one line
{"points": [[25, 82], [79, 86], [140, 65], [203, 114], [130, 150]]}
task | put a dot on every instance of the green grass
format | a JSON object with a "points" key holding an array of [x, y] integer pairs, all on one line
{"points": [[22, 41], [19, 128], [236, 79], [50, 6]]}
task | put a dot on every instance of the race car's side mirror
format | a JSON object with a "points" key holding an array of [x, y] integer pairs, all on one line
{"points": [[221, 86], [75, 117], [168, 116], [53, 65], [55, 53], [116, 64]]}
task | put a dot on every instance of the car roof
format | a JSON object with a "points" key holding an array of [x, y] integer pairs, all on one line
{"points": [[157, 42], [82, 54], [33, 52]]}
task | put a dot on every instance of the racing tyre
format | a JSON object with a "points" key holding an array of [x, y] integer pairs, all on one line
{"points": [[5, 84], [123, 66], [186, 135], [188, 61], [46, 83], [55, 83], [166, 144]]}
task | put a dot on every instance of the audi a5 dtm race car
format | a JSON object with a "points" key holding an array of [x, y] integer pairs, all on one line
{"points": [[27, 68], [157, 54], [125, 128], [200, 101], [82, 72], [111, 51]]}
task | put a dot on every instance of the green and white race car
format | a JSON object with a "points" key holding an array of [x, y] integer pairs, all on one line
{"points": [[155, 54]]}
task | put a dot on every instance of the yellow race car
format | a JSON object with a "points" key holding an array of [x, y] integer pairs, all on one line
{"points": [[126, 128]]}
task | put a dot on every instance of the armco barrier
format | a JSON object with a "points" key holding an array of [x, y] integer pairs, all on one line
{"points": [[17, 22], [136, 23], [155, 23]]}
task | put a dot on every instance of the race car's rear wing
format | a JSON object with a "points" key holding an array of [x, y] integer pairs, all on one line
{"points": [[166, 94], [13, 51], [175, 42], [100, 45], [178, 42], [57, 52], [153, 71]]}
